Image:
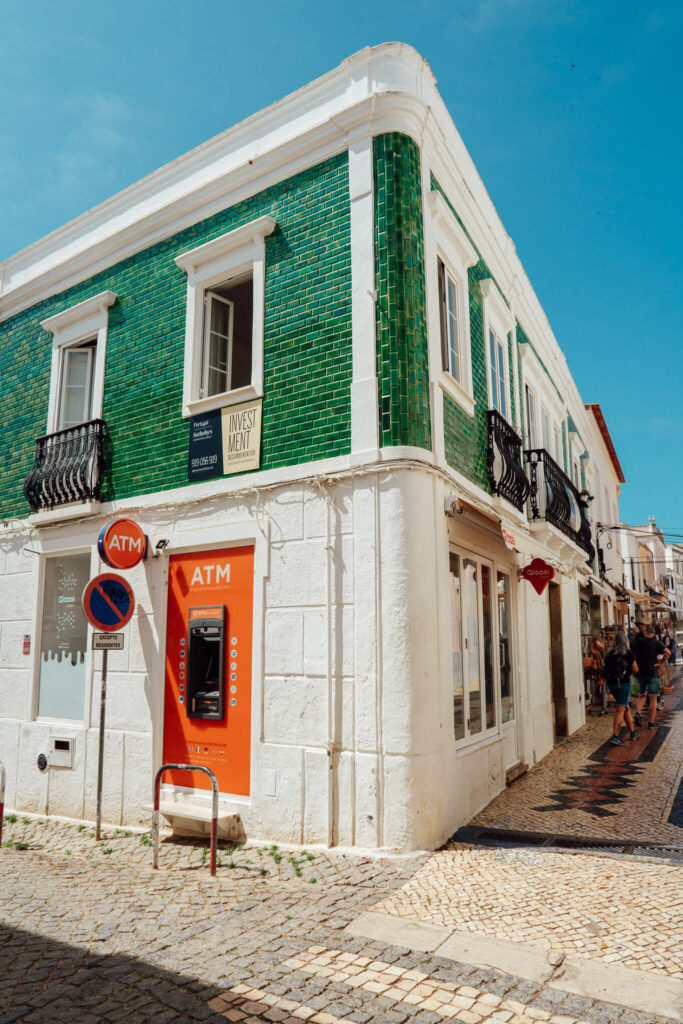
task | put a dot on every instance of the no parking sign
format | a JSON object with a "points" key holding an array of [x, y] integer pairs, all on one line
{"points": [[108, 602]]}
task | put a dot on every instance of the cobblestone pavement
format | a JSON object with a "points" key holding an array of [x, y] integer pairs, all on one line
{"points": [[587, 787], [600, 908], [90, 934]]}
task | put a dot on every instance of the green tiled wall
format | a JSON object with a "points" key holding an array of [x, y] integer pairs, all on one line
{"points": [[307, 345], [402, 357]]}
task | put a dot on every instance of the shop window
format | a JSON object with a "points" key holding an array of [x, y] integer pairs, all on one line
{"points": [[224, 318], [63, 638], [481, 658]]}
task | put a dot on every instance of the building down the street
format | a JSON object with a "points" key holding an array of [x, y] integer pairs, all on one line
{"points": [[305, 361]]}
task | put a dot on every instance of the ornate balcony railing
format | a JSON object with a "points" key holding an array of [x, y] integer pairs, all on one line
{"points": [[555, 499], [68, 467], [504, 461]]}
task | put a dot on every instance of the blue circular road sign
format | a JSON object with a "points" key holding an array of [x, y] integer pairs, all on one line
{"points": [[108, 602]]}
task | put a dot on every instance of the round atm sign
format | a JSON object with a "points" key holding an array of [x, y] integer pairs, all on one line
{"points": [[108, 602], [122, 544]]}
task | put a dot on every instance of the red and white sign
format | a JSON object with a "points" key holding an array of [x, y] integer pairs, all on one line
{"points": [[27, 643], [509, 538], [122, 544], [539, 574], [108, 602]]}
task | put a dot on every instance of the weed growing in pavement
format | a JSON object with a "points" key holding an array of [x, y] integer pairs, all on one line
{"points": [[205, 854], [145, 839], [10, 818], [26, 821], [91, 835], [107, 851], [296, 865], [81, 828], [312, 880], [21, 846], [263, 872], [68, 853]]}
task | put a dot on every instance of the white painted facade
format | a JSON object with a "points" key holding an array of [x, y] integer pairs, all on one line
{"points": [[352, 693]]}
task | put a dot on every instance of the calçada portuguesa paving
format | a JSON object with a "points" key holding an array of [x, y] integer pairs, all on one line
{"points": [[90, 933]]}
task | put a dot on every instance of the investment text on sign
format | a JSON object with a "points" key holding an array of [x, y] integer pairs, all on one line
{"points": [[225, 441]]}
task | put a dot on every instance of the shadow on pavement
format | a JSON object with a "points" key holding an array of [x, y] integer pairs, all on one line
{"points": [[43, 980]]}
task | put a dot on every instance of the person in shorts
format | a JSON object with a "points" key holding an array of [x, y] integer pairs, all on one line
{"points": [[619, 664], [648, 651]]}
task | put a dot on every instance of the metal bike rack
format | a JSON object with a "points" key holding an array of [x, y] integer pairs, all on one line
{"points": [[2, 797], [214, 807]]}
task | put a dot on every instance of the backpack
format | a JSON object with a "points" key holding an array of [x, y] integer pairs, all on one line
{"points": [[617, 668]]}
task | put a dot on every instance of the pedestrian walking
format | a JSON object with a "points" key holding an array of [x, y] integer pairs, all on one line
{"points": [[620, 662], [648, 652]]}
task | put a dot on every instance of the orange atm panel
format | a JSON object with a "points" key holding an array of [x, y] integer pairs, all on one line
{"points": [[207, 705]]}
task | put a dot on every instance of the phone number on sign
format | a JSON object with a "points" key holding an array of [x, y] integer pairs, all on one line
{"points": [[204, 460]]}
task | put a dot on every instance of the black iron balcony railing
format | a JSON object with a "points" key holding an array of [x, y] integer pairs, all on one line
{"points": [[69, 466], [555, 499], [504, 461]]}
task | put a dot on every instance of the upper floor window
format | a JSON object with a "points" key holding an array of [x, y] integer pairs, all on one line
{"points": [[498, 323], [558, 454], [448, 302], [497, 373], [79, 341], [545, 429], [224, 318], [531, 416]]}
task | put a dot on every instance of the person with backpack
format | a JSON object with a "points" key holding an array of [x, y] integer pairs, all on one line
{"points": [[620, 662]]}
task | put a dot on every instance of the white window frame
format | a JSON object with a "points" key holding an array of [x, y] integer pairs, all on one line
{"points": [[72, 327], [546, 428], [232, 256], [495, 732], [453, 248], [531, 411], [499, 319]]}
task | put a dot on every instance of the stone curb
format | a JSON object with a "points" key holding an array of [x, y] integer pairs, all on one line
{"points": [[635, 990]]}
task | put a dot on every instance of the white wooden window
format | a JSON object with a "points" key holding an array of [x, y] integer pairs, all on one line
{"points": [[75, 400], [498, 383], [532, 439], [498, 323], [224, 320], [545, 429], [79, 342], [450, 254], [558, 446], [450, 298]]}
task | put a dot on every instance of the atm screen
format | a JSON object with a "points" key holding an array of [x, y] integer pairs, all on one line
{"points": [[206, 663]]}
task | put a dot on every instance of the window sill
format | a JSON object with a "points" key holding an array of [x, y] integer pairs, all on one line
{"points": [[474, 743], [457, 392], [202, 405], [63, 512]]}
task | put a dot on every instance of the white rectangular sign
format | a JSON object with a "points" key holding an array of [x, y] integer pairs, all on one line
{"points": [[107, 641]]}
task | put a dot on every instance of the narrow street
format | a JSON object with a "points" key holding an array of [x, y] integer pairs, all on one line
{"points": [[505, 932]]}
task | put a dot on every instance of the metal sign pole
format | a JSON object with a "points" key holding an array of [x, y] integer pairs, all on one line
{"points": [[100, 757]]}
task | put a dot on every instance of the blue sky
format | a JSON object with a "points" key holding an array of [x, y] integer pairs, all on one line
{"points": [[571, 110]]}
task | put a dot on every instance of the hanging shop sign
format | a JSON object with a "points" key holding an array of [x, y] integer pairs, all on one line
{"points": [[225, 441], [539, 574], [122, 544], [108, 602]]}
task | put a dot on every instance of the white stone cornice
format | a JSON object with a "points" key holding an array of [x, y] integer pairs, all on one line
{"points": [[493, 298], [99, 303]]}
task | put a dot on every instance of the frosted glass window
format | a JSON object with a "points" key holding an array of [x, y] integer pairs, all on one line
{"points": [[63, 639]]}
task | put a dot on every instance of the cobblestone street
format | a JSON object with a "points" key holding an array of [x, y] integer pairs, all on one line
{"points": [[587, 787], [90, 934]]}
